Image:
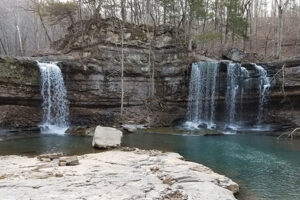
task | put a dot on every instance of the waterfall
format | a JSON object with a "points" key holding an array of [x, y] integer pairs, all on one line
{"points": [[245, 75], [202, 92], [264, 86], [232, 91], [55, 104]]}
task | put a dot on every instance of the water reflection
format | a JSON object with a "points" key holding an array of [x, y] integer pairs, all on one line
{"points": [[264, 167]]}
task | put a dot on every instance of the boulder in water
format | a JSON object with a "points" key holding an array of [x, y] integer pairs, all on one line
{"points": [[107, 137]]}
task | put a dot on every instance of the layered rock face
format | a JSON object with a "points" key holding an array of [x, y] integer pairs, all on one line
{"points": [[19, 93], [152, 62], [285, 96], [92, 74], [91, 66]]}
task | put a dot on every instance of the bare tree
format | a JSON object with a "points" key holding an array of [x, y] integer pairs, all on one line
{"points": [[281, 6]]}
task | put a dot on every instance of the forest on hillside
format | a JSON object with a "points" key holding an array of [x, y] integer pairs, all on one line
{"points": [[264, 29]]}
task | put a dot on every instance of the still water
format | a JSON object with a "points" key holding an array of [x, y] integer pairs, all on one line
{"points": [[264, 167]]}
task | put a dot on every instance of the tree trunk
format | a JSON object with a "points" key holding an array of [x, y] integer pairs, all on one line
{"points": [[122, 70], [255, 24], [148, 12], [20, 41], [279, 32], [123, 10], [3, 47], [43, 24], [190, 30], [153, 75]]}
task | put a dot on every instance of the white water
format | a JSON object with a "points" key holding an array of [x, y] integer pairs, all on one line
{"points": [[55, 104], [245, 75], [233, 87], [202, 93], [264, 86]]}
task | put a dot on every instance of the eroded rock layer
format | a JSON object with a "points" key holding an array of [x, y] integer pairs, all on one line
{"points": [[91, 66]]}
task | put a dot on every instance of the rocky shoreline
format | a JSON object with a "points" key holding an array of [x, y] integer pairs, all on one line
{"points": [[117, 174]]}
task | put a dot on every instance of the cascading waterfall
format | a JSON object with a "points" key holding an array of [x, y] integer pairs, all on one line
{"points": [[245, 76], [264, 86], [55, 104], [202, 92], [232, 91]]}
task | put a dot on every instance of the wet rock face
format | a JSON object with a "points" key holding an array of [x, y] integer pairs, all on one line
{"points": [[19, 93], [94, 90], [19, 82], [284, 100]]}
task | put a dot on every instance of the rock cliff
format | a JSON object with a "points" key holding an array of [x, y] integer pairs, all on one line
{"points": [[91, 65], [92, 73]]}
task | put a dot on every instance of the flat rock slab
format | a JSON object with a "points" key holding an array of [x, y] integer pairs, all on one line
{"points": [[138, 174]]}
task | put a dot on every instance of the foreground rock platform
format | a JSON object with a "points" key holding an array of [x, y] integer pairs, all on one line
{"points": [[117, 174]]}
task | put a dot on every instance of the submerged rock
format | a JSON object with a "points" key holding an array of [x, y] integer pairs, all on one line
{"points": [[131, 128], [115, 174], [81, 131], [107, 137]]}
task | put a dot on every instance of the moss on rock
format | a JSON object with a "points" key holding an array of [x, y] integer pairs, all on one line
{"points": [[24, 72]]}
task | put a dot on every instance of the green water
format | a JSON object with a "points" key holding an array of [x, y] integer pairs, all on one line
{"points": [[265, 168]]}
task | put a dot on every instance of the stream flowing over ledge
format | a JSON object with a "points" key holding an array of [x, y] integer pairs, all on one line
{"points": [[127, 174], [93, 84]]}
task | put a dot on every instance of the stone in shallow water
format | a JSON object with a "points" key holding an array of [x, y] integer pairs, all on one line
{"points": [[131, 128], [107, 137], [81, 131]]}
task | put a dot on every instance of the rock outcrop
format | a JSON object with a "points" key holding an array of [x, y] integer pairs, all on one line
{"points": [[92, 77], [235, 55], [91, 68], [19, 93], [285, 95], [117, 174]]}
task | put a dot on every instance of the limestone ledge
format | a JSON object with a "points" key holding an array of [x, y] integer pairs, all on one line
{"points": [[118, 174]]}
